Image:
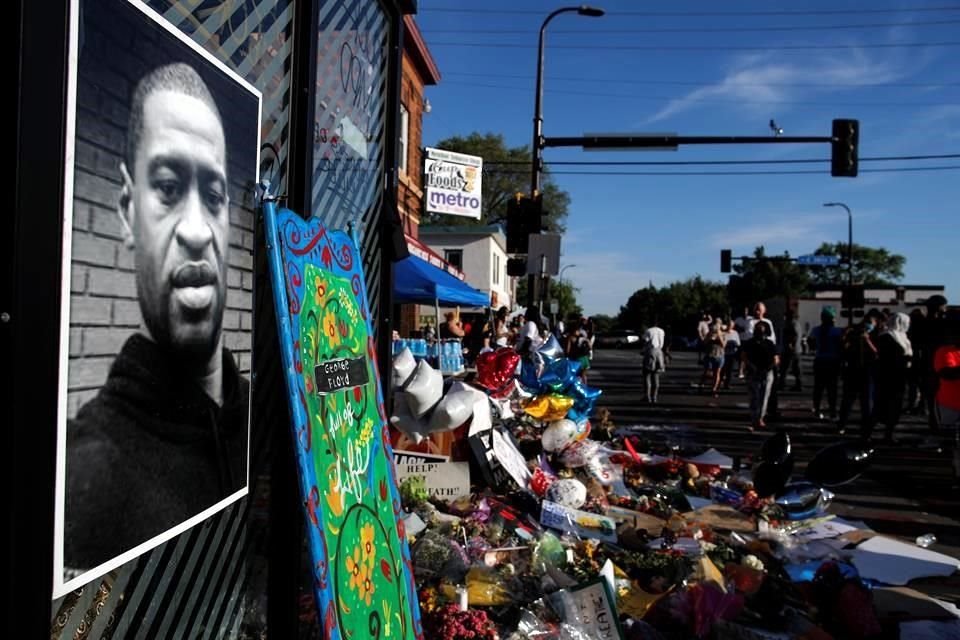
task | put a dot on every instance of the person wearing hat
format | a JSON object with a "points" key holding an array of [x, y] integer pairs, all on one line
{"points": [[826, 339]]}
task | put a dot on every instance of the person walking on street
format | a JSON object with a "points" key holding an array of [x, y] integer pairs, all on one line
{"points": [[714, 350], [759, 359], [653, 361], [731, 354], [894, 354], [703, 330], [827, 344], [791, 352], [859, 361], [946, 364]]}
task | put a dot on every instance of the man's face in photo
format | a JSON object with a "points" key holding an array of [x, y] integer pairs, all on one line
{"points": [[178, 219]]}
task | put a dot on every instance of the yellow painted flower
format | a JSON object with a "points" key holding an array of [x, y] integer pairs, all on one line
{"points": [[366, 544], [356, 570], [320, 289], [330, 331], [366, 584], [366, 432]]}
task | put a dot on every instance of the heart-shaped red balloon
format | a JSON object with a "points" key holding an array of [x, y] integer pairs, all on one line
{"points": [[496, 368]]}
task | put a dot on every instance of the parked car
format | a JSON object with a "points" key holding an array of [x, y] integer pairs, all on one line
{"points": [[682, 343], [617, 339]]}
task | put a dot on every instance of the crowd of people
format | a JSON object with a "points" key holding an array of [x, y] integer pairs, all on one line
{"points": [[886, 364], [525, 331]]}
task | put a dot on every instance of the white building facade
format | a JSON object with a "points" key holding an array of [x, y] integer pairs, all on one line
{"points": [[480, 253]]}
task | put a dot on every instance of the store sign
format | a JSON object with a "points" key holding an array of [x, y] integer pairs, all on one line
{"points": [[452, 183]]}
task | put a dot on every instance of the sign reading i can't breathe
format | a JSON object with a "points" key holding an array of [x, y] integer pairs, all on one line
{"points": [[452, 182], [339, 374]]}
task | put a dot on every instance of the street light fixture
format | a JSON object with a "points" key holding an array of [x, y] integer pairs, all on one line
{"points": [[849, 257], [583, 10]]}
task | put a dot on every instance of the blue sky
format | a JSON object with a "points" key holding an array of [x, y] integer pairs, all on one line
{"points": [[712, 68]]}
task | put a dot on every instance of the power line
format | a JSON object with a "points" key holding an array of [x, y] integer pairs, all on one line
{"points": [[628, 96], [710, 14], [741, 173], [644, 163], [652, 47], [761, 29], [699, 83]]}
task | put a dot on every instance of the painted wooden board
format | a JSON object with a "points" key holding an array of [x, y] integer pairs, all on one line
{"points": [[363, 577]]}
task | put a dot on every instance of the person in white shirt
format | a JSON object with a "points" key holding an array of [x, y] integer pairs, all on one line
{"points": [[760, 315], [703, 330], [529, 338], [654, 336], [731, 354], [653, 363], [744, 325]]}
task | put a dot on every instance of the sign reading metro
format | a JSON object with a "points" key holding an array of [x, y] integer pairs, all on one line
{"points": [[452, 183]]}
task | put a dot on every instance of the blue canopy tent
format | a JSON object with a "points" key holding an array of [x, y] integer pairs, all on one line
{"points": [[417, 281]]}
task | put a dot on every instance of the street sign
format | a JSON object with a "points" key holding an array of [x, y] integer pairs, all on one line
{"points": [[818, 261], [554, 306]]}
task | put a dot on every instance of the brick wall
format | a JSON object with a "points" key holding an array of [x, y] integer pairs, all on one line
{"points": [[103, 300]]}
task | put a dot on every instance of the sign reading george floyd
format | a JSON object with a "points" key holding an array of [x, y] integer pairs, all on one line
{"points": [[339, 374], [452, 183]]}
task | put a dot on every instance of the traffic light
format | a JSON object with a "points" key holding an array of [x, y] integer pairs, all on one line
{"points": [[523, 218], [844, 148], [516, 267], [726, 259]]}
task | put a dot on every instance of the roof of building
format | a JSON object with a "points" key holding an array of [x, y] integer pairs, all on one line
{"points": [[416, 47], [485, 230]]}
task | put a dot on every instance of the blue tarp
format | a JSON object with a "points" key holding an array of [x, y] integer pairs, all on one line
{"points": [[415, 280]]}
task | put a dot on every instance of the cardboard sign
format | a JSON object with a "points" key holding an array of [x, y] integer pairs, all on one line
{"points": [[589, 608], [444, 480], [340, 374], [501, 463], [579, 523]]}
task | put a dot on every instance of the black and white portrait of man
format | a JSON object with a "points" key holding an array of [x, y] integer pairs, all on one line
{"points": [[162, 441]]}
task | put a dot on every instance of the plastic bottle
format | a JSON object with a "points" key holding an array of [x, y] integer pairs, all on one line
{"points": [[926, 540]]}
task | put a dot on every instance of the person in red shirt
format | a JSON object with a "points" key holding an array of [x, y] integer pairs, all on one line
{"points": [[946, 364]]}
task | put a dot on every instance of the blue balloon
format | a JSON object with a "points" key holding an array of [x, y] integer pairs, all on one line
{"points": [[528, 376]]}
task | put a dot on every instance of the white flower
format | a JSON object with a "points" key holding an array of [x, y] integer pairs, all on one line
{"points": [[753, 562]]}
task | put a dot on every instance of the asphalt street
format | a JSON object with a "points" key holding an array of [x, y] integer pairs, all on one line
{"points": [[905, 493]]}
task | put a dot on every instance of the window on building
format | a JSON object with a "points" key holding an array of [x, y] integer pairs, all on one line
{"points": [[404, 138], [454, 257], [496, 269]]}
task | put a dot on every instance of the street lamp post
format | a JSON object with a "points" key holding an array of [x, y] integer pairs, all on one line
{"points": [[582, 10], [849, 256]]}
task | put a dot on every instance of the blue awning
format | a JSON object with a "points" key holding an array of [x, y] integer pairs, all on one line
{"points": [[417, 281]]}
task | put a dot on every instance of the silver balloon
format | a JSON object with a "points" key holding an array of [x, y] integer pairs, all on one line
{"points": [[801, 500], [551, 349], [839, 464], [776, 448]]}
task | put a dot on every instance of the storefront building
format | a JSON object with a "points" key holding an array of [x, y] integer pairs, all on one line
{"points": [[307, 95]]}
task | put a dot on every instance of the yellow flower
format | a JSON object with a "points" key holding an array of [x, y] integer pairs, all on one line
{"points": [[366, 433], [366, 544], [330, 332], [366, 584], [320, 289], [356, 570]]}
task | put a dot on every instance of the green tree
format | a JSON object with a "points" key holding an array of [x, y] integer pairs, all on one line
{"points": [[602, 323], [871, 266], [764, 277], [677, 305], [506, 172]]}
